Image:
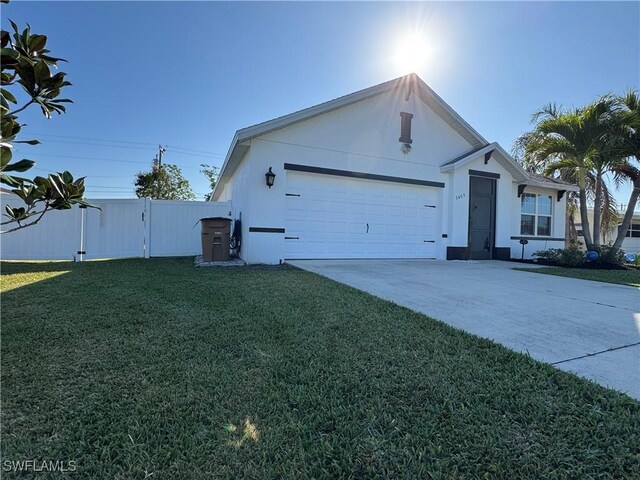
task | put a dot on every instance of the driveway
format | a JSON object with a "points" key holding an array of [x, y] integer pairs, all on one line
{"points": [[589, 328]]}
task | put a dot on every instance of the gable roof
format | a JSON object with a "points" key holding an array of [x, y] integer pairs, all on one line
{"points": [[410, 83], [519, 174]]}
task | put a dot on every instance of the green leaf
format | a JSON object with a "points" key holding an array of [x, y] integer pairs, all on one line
{"points": [[37, 42], [13, 24], [9, 180], [5, 157], [41, 71], [8, 95], [9, 52], [20, 166], [5, 38]]}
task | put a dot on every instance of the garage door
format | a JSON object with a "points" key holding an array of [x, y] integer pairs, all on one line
{"points": [[336, 217]]}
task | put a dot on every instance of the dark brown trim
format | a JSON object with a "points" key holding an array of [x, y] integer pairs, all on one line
{"points": [[366, 176], [457, 253], [502, 253], [266, 230], [478, 173], [528, 237], [521, 188]]}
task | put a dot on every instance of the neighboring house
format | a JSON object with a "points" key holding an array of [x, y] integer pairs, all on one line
{"points": [[631, 243], [387, 172]]}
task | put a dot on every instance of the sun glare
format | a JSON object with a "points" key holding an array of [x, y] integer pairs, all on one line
{"points": [[411, 54]]}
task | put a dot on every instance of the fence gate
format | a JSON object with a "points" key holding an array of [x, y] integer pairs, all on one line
{"points": [[116, 231], [137, 227]]}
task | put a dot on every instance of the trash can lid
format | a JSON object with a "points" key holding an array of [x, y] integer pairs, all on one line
{"points": [[215, 218]]}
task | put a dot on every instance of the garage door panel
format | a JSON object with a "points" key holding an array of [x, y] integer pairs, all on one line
{"points": [[337, 217]]}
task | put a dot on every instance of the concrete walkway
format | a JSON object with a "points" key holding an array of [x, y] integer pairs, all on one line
{"points": [[589, 328]]}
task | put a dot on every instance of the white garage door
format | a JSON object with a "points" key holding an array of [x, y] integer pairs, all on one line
{"points": [[336, 217]]}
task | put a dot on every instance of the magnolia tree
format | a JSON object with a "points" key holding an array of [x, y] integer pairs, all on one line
{"points": [[26, 82]]}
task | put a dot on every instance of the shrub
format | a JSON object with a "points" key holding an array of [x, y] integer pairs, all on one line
{"points": [[572, 256], [609, 255]]}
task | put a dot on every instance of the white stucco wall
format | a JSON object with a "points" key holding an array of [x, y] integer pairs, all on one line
{"points": [[458, 224], [364, 137], [558, 225], [361, 137]]}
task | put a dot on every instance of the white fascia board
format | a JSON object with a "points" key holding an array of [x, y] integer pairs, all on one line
{"points": [[550, 185], [217, 188], [469, 158]]}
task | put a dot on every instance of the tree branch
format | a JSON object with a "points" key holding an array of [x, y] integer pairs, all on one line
{"points": [[25, 225], [22, 108]]}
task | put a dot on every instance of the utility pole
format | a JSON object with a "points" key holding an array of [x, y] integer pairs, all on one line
{"points": [[161, 150]]}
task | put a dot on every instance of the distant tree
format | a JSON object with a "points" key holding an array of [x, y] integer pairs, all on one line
{"points": [[26, 62], [211, 173], [164, 182]]}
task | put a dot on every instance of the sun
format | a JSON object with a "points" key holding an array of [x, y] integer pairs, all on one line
{"points": [[411, 54]]}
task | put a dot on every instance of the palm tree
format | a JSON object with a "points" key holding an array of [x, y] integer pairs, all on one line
{"points": [[628, 137], [576, 144]]}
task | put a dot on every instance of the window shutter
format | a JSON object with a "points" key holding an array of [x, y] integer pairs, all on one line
{"points": [[405, 127]]}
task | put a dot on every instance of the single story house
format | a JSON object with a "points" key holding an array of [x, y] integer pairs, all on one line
{"points": [[391, 171], [631, 242]]}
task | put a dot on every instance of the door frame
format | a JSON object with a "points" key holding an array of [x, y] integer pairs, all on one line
{"points": [[493, 177]]}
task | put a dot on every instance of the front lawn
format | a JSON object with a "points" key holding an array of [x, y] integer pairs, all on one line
{"points": [[629, 277], [134, 368]]}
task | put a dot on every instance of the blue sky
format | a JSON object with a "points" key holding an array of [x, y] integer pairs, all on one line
{"points": [[189, 74]]}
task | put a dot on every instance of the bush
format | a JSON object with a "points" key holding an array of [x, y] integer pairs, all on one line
{"points": [[572, 256], [609, 255]]}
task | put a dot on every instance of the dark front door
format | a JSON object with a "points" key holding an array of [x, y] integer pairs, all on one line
{"points": [[482, 215]]}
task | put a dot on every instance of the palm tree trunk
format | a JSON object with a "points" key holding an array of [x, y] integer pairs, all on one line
{"points": [[597, 210], [628, 215], [584, 216]]}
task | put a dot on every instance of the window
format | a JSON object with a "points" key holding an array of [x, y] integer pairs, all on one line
{"points": [[535, 216], [634, 230]]}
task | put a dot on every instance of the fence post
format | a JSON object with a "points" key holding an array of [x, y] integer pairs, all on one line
{"points": [[147, 226]]}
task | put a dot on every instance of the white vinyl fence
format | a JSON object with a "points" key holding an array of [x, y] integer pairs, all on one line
{"points": [[122, 228]]}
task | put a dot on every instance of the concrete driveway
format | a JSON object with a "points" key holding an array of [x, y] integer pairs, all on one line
{"points": [[589, 328]]}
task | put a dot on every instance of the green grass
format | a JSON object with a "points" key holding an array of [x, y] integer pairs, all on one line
{"points": [[136, 367], [629, 277]]}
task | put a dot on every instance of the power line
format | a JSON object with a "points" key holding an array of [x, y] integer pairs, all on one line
{"points": [[173, 147], [92, 139], [103, 140], [88, 175], [61, 157]]}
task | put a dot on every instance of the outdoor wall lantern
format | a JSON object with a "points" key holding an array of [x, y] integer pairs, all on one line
{"points": [[270, 176]]}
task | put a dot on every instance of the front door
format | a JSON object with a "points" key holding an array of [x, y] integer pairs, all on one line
{"points": [[482, 214]]}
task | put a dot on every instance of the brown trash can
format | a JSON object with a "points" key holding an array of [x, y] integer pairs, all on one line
{"points": [[216, 235]]}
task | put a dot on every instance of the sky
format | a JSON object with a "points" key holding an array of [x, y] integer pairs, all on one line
{"points": [[187, 75]]}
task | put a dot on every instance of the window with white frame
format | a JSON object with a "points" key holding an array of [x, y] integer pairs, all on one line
{"points": [[634, 231], [535, 218]]}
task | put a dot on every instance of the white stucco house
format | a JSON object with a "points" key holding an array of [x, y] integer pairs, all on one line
{"points": [[386, 172]]}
